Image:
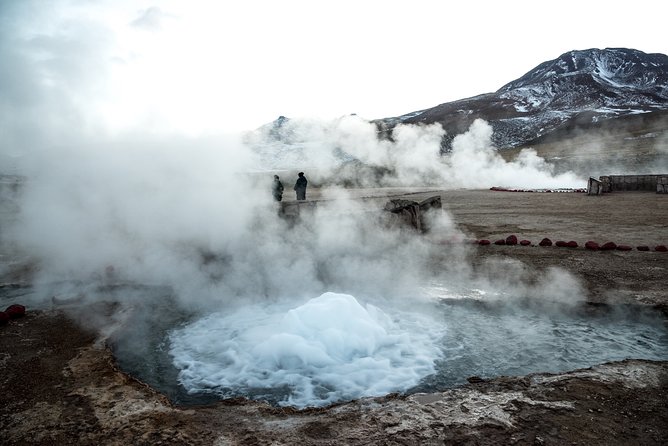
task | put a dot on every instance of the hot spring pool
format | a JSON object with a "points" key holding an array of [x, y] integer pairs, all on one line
{"points": [[336, 347]]}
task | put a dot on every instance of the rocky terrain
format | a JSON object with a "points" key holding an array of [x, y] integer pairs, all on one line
{"points": [[60, 383], [596, 109]]}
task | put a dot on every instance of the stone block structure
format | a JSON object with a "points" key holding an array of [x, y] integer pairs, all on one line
{"points": [[662, 185], [617, 183], [594, 187]]}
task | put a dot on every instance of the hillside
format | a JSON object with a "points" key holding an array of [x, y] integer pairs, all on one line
{"points": [[577, 90], [592, 112]]}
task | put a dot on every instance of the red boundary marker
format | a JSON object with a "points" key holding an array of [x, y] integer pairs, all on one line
{"points": [[590, 245]]}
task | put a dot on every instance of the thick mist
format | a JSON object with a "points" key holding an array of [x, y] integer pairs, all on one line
{"points": [[350, 150], [178, 224], [193, 214]]}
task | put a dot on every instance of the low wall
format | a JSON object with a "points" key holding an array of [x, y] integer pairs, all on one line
{"points": [[653, 183]]}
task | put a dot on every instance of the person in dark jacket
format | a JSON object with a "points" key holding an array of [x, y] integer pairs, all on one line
{"points": [[300, 186], [277, 189]]}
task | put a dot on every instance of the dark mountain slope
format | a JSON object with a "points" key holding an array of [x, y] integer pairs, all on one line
{"points": [[576, 90]]}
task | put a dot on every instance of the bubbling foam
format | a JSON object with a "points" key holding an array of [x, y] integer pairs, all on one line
{"points": [[329, 349]]}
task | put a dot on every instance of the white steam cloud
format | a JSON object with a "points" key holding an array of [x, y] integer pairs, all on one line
{"points": [[144, 204], [412, 157]]}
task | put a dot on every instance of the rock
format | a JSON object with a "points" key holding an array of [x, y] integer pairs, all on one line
{"points": [[624, 248], [4, 318], [572, 244], [609, 246], [15, 311], [412, 213], [545, 242], [484, 242], [500, 242], [643, 248], [511, 240], [561, 243], [592, 246], [661, 248], [475, 379], [525, 242]]}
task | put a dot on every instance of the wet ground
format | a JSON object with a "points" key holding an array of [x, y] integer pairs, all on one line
{"points": [[60, 385]]}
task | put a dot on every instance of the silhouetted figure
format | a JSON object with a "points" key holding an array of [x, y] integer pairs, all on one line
{"points": [[277, 189], [300, 186]]}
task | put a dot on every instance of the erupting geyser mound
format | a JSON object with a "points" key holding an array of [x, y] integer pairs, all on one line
{"points": [[331, 348], [336, 348]]}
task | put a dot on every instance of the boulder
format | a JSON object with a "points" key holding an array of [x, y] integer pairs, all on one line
{"points": [[561, 243], [412, 213], [624, 248], [511, 240], [500, 242], [608, 246], [545, 242], [4, 318], [643, 248], [661, 248], [484, 242], [15, 311], [572, 244], [591, 245], [525, 242]]}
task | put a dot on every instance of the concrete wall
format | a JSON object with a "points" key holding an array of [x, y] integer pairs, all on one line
{"points": [[653, 183]]}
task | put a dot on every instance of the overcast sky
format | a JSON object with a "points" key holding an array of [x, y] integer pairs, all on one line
{"points": [[216, 67]]}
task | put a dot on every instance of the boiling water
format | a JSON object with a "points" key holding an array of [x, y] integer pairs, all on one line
{"points": [[328, 349], [336, 347]]}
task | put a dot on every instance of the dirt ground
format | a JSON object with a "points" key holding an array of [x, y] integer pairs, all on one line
{"points": [[59, 384]]}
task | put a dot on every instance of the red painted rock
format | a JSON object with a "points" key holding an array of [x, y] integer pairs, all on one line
{"points": [[609, 246], [572, 244], [545, 242], [661, 248], [643, 248], [484, 242], [561, 243], [4, 318], [16, 310], [511, 240], [500, 242], [624, 248], [525, 242], [591, 245]]}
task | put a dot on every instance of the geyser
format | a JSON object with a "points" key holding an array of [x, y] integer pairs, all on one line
{"points": [[328, 349], [336, 347]]}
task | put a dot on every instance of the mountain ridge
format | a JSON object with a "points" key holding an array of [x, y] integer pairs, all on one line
{"points": [[589, 111], [578, 86]]}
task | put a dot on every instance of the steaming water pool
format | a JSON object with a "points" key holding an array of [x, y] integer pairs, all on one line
{"points": [[335, 348]]}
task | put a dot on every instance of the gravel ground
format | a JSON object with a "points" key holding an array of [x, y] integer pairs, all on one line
{"points": [[59, 383]]}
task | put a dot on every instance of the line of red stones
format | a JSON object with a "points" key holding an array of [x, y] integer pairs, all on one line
{"points": [[590, 245]]}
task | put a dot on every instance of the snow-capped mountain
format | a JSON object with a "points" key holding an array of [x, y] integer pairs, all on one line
{"points": [[617, 98], [577, 89]]}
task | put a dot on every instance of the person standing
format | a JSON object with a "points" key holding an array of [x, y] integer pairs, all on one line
{"points": [[300, 187], [277, 189]]}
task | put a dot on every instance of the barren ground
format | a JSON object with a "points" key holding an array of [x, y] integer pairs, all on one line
{"points": [[59, 384]]}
